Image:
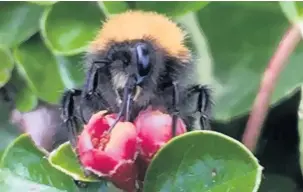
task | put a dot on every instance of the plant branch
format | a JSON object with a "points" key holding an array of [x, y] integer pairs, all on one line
{"points": [[261, 104]]}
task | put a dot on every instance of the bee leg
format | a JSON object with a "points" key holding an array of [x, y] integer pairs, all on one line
{"points": [[71, 123], [90, 93], [204, 104], [175, 112], [69, 119], [204, 107]]}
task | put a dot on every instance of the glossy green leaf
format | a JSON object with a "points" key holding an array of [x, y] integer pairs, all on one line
{"points": [[242, 40], [171, 8], [8, 132], [46, 3], [6, 66], [203, 161], [19, 21], [24, 159], [6, 60], [38, 65], [71, 70], [65, 160], [113, 7], [68, 27], [293, 10], [4, 77], [10, 182], [25, 99], [6, 136]]}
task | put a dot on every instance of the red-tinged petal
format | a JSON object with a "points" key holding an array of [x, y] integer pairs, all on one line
{"points": [[110, 155], [123, 142], [98, 124], [154, 130], [158, 124], [84, 143], [98, 162]]}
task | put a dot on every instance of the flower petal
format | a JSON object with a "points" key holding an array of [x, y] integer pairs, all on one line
{"points": [[123, 142]]}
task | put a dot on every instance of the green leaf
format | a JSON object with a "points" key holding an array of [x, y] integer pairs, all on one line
{"points": [[242, 40], [203, 161], [71, 70], [6, 136], [19, 21], [171, 8], [6, 66], [44, 3], [8, 132], [39, 67], [25, 100], [68, 27], [292, 10], [65, 160], [5, 75], [10, 182], [6, 59], [24, 159], [113, 7]]}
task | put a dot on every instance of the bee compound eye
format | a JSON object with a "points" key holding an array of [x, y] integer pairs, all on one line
{"points": [[143, 59]]}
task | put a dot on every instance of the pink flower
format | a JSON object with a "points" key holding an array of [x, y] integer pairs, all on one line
{"points": [[154, 129], [110, 155]]}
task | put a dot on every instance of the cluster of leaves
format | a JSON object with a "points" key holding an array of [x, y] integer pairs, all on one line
{"points": [[45, 42]]}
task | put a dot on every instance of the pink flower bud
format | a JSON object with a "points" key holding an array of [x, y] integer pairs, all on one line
{"points": [[154, 129], [110, 155]]}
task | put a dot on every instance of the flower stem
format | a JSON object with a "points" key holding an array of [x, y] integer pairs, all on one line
{"points": [[261, 104]]}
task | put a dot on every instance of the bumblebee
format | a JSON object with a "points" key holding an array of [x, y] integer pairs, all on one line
{"points": [[138, 59]]}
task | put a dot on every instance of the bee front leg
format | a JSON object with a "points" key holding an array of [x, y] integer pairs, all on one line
{"points": [[70, 121], [91, 98], [68, 114], [204, 104]]}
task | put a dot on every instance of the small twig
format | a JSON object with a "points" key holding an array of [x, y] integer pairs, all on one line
{"points": [[261, 104]]}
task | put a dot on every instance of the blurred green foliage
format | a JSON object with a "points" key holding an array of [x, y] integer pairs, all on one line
{"points": [[46, 41], [34, 166]]}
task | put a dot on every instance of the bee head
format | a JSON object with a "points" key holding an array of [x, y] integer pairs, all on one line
{"points": [[137, 59], [141, 45]]}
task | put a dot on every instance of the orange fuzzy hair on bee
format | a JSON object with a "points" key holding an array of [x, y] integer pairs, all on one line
{"points": [[139, 25]]}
